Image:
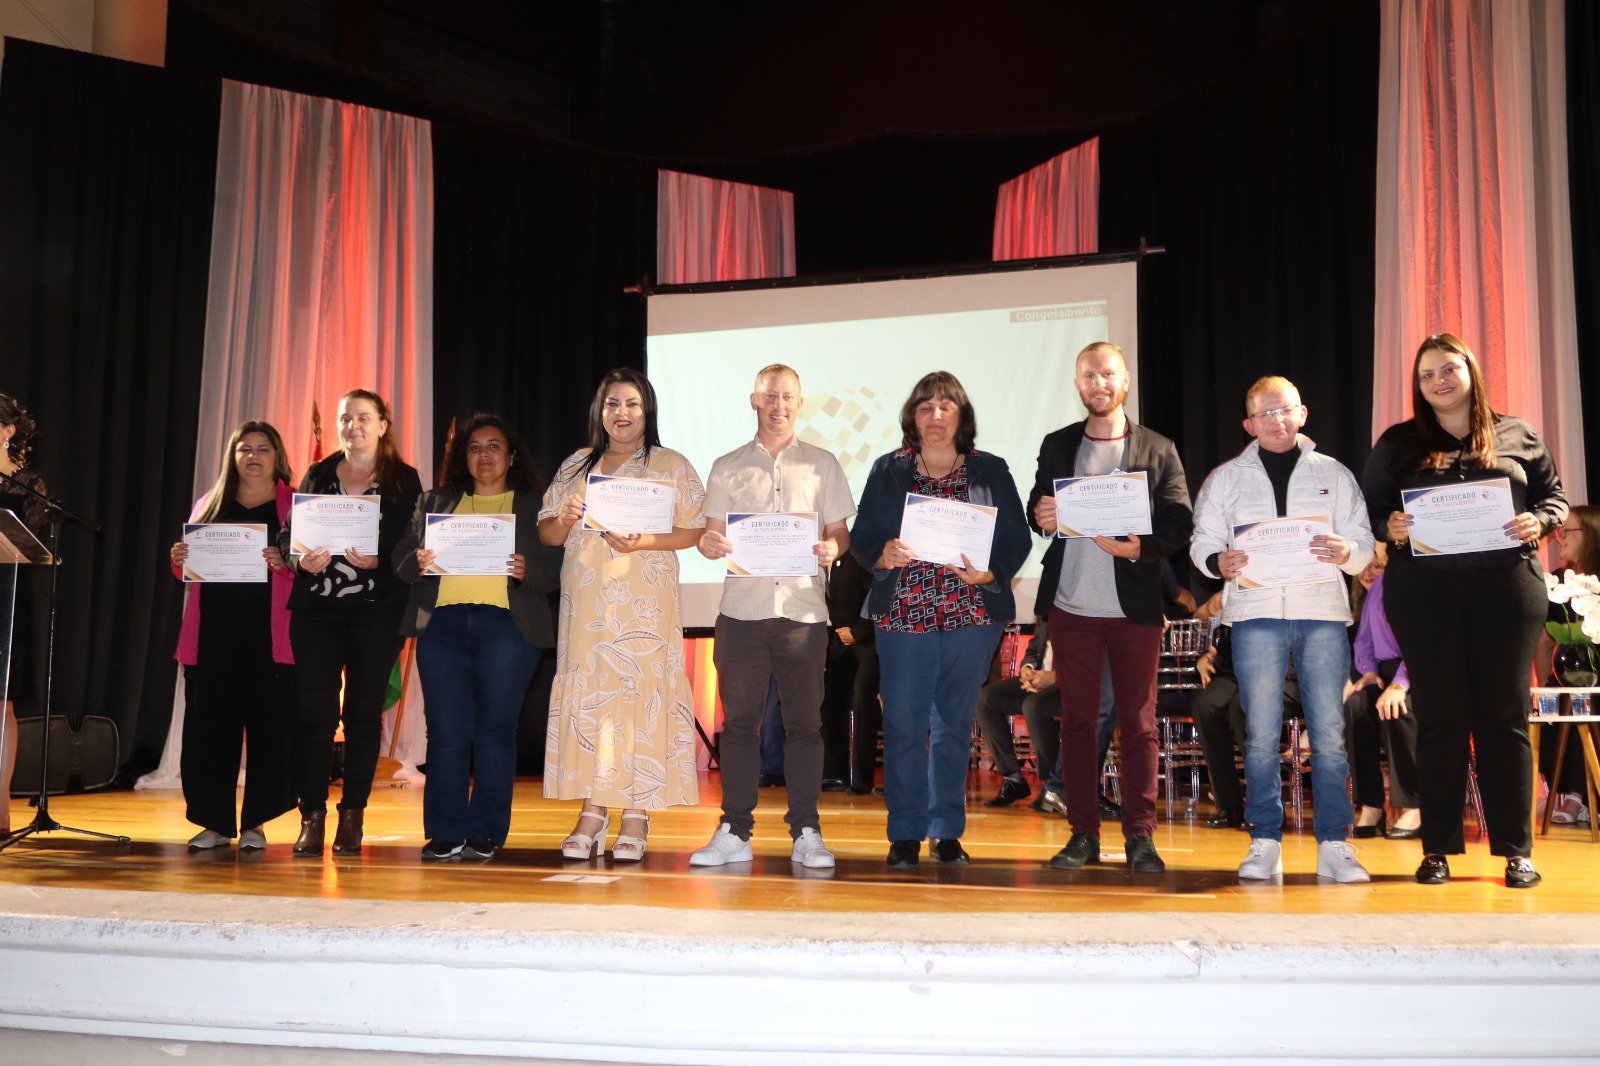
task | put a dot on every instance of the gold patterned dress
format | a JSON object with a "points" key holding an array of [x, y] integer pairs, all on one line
{"points": [[621, 727]]}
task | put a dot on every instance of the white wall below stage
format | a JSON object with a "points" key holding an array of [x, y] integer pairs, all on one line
{"points": [[644, 985]]}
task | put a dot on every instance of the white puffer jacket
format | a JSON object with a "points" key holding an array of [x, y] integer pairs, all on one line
{"points": [[1239, 491]]}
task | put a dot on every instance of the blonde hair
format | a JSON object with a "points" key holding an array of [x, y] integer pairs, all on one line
{"points": [[1270, 383], [777, 368]]}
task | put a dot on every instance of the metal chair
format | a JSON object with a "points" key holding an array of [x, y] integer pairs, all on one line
{"points": [[1183, 642]]}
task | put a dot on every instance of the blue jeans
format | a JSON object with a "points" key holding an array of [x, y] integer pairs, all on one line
{"points": [[475, 669], [1261, 650], [930, 684]]}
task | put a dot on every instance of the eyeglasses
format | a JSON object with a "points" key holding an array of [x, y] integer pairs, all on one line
{"points": [[1275, 413], [1569, 529]]}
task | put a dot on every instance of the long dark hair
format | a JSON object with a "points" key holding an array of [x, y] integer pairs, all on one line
{"points": [[523, 474], [13, 413], [940, 384], [599, 440], [227, 485], [387, 470], [1437, 447]]}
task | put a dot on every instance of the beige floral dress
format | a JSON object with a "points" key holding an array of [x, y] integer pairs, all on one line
{"points": [[621, 727]]}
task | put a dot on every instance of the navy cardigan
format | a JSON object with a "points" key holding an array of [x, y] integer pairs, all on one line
{"points": [[878, 521]]}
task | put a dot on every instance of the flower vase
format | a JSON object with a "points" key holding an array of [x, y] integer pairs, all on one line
{"points": [[1574, 665]]}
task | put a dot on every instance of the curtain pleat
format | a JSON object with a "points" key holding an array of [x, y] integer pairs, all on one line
{"points": [[1053, 209], [1473, 221], [710, 230]]}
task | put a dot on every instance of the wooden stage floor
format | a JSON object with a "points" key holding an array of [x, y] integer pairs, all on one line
{"points": [[1009, 849]]}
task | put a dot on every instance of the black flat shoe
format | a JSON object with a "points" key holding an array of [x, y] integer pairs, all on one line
{"points": [[1367, 832], [1081, 850], [1520, 872], [1011, 790], [1435, 870], [904, 854], [1405, 834], [834, 784], [771, 781], [1110, 809], [950, 852], [1142, 856], [1232, 818]]}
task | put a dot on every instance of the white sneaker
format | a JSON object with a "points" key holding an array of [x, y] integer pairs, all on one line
{"points": [[208, 838], [725, 847], [810, 851], [1265, 860], [1337, 859], [252, 839]]}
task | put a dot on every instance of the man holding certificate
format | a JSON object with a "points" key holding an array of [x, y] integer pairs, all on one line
{"points": [[1279, 522], [1102, 595], [775, 512]]}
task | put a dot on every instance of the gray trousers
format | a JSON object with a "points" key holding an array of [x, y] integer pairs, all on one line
{"points": [[748, 655]]}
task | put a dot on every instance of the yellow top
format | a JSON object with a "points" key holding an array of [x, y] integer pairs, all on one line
{"points": [[482, 588]]}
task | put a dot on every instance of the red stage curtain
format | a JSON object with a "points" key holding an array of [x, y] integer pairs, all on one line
{"points": [[1474, 230], [1053, 209], [710, 230]]}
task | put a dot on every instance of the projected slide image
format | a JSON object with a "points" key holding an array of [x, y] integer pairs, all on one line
{"points": [[1012, 341]]}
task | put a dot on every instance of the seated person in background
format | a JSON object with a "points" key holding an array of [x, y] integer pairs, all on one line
{"points": [[1377, 706], [1034, 694]]}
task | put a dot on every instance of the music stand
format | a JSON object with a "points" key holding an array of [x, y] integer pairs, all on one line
{"points": [[19, 548]]}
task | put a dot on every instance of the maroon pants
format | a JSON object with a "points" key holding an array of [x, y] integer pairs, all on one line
{"points": [[1082, 646]]}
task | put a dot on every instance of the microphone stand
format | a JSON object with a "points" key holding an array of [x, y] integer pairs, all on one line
{"points": [[42, 822]]}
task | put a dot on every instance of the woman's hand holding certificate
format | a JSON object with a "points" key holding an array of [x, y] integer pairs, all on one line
{"points": [[1469, 516], [335, 523], [225, 552], [628, 505], [941, 530], [471, 544], [1281, 552]]}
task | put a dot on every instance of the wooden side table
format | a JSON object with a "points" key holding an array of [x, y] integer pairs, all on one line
{"points": [[1585, 725]]}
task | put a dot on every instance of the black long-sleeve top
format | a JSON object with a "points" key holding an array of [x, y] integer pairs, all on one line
{"points": [[1520, 456]]}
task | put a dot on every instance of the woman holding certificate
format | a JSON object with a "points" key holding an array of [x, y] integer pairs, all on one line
{"points": [[938, 621], [16, 441], [238, 666], [480, 618], [1463, 496], [346, 606], [621, 728]]}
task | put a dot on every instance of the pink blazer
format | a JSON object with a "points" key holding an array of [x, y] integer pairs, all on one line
{"points": [[282, 583]]}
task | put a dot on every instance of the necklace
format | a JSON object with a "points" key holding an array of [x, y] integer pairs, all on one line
{"points": [[926, 469]]}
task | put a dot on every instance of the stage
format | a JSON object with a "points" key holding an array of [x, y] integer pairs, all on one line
{"points": [[1003, 959]]}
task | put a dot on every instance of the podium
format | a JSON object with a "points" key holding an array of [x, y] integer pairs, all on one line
{"points": [[18, 548]]}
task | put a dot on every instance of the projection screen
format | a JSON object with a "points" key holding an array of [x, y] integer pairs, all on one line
{"points": [[1010, 336]]}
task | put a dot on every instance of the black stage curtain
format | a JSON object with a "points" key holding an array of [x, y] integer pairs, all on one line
{"points": [[1583, 163], [533, 247], [1261, 190], [107, 172]]}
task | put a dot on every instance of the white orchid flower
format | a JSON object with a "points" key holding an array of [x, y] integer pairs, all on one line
{"points": [[1586, 582], [1591, 628], [1586, 604], [1560, 593]]}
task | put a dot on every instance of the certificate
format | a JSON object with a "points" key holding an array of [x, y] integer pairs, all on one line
{"points": [[1108, 505], [1280, 552], [772, 544], [628, 505], [469, 544], [338, 523], [225, 552], [1469, 516], [942, 530]]}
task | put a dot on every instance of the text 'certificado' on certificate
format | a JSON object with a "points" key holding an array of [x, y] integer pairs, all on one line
{"points": [[942, 530], [628, 504]]}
